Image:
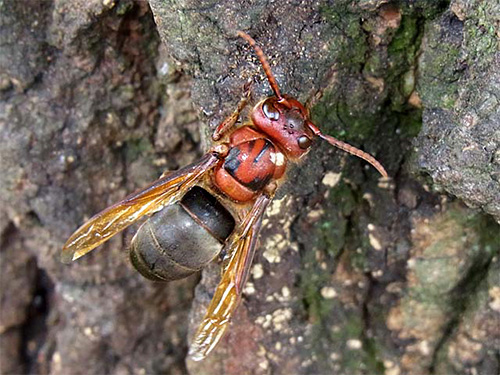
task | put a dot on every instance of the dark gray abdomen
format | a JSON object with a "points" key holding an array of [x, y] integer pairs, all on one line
{"points": [[182, 238]]}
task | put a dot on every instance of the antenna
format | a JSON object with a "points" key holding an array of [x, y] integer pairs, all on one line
{"points": [[265, 64], [350, 149]]}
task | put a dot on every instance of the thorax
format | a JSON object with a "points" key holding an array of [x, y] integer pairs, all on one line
{"points": [[252, 162]]}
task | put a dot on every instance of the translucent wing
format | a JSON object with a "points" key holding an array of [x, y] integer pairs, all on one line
{"points": [[240, 249], [116, 218]]}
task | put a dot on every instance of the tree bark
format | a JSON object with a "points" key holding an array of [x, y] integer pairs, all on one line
{"points": [[352, 275]]}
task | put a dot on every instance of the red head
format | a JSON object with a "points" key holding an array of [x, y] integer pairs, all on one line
{"points": [[286, 124], [286, 121]]}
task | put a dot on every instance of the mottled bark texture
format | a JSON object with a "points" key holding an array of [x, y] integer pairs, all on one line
{"points": [[352, 276]]}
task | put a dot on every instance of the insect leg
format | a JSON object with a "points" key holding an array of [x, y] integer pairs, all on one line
{"points": [[230, 121]]}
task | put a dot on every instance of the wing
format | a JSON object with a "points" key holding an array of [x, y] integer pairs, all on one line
{"points": [[119, 216], [240, 249]]}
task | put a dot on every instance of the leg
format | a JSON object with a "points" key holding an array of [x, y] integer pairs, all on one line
{"points": [[230, 121]]}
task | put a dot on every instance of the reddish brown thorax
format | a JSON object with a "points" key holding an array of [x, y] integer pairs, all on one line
{"points": [[259, 154], [252, 162]]}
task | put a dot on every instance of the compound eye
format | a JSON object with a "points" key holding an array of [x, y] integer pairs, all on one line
{"points": [[304, 142], [270, 112]]}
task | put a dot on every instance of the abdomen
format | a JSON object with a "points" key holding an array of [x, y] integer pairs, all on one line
{"points": [[182, 238]]}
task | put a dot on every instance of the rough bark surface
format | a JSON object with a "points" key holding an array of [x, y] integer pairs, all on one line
{"points": [[352, 276]]}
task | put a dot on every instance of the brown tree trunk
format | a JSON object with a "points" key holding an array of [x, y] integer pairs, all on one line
{"points": [[352, 276]]}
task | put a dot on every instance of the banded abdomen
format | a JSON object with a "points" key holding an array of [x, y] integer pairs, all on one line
{"points": [[181, 238]]}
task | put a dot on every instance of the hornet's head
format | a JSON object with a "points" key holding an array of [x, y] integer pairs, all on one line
{"points": [[286, 121]]}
